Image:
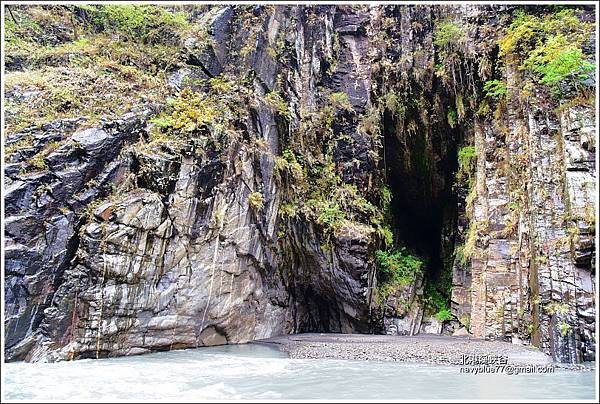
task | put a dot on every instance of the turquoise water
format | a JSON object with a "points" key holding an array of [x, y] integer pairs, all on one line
{"points": [[259, 372]]}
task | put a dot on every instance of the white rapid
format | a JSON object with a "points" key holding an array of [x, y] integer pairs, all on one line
{"points": [[259, 372]]}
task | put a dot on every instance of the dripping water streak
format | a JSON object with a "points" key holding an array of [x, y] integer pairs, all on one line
{"points": [[214, 264], [99, 332]]}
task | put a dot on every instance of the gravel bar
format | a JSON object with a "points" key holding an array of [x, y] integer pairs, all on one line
{"points": [[423, 348]]}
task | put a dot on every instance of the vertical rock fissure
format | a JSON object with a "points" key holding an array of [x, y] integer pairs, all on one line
{"points": [[424, 203]]}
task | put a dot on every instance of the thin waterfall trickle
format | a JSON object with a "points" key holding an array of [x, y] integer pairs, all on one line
{"points": [[101, 308], [221, 221]]}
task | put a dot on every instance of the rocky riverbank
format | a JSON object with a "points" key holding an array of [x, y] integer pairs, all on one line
{"points": [[432, 349]]}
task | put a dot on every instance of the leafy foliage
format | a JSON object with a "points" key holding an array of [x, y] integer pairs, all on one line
{"points": [[341, 100], [398, 266], [435, 301], [494, 88], [330, 215], [256, 200], [448, 36], [450, 42], [322, 196], [383, 292], [288, 164], [444, 315], [550, 46], [452, 117], [94, 61], [20, 32], [557, 308], [279, 104], [467, 157], [136, 23], [437, 292], [467, 161], [289, 209], [564, 328], [192, 111], [558, 66], [331, 201], [205, 116]]}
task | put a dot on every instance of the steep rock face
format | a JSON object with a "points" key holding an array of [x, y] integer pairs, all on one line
{"points": [[536, 259], [121, 244], [531, 277], [43, 209], [183, 259]]}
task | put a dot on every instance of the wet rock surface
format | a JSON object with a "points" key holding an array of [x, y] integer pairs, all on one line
{"points": [[117, 246], [44, 213]]}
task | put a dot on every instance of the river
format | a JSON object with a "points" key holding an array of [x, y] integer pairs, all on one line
{"points": [[260, 372]]}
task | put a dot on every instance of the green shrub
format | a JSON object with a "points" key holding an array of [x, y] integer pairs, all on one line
{"points": [[288, 210], [437, 292], [467, 163], [331, 216], [459, 254], [193, 111], [383, 292], [467, 157], [550, 46], [292, 164], [18, 34], [564, 328], [256, 200], [452, 116], [386, 195], [444, 315], [137, 23], [448, 35], [519, 35], [494, 88], [341, 100], [279, 104], [434, 301], [38, 163], [221, 85], [484, 109], [162, 121], [555, 307], [329, 201], [398, 266], [386, 232], [350, 199], [567, 63]]}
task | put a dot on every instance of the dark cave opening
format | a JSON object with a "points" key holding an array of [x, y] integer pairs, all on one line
{"points": [[420, 173]]}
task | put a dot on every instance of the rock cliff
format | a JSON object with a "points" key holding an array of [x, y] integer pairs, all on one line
{"points": [[295, 146]]}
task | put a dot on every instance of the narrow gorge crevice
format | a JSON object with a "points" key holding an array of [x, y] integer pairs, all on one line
{"points": [[424, 201]]}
